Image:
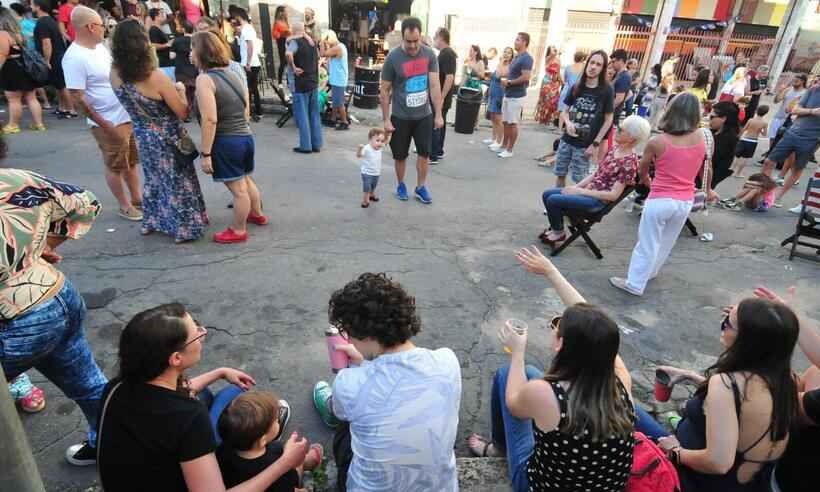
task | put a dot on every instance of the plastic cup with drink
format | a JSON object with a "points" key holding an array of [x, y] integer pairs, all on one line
{"points": [[338, 359], [517, 326], [663, 385]]}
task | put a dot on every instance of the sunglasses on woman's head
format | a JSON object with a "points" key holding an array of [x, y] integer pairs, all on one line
{"points": [[555, 323], [726, 324]]}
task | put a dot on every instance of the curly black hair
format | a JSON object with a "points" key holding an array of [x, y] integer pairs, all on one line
{"points": [[375, 306], [131, 52]]}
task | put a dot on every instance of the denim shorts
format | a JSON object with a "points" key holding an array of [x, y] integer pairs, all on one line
{"points": [[337, 96], [571, 159], [802, 147], [369, 183], [232, 157]]}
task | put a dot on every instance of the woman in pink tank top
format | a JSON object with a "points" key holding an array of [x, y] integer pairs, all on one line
{"points": [[678, 155], [192, 10]]}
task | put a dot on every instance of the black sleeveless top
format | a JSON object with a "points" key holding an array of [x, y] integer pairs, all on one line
{"points": [[571, 463], [691, 434]]}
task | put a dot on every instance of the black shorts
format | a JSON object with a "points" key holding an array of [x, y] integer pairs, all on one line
{"points": [[420, 131], [745, 148]]}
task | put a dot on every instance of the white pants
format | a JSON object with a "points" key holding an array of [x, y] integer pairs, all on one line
{"points": [[661, 223]]}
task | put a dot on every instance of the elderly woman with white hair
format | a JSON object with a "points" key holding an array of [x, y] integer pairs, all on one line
{"points": [[679, 155], [336, 54], [616, 172]]}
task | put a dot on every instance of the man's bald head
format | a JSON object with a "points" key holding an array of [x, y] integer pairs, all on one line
{"points": [[298, 28], [81, 16]]}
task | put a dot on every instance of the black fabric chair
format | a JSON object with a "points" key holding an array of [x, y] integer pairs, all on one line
{"points": [[580, 223], [807, 231]]}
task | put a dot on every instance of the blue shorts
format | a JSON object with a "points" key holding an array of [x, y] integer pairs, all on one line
{"points": [[232, 157], [571, 159], [494, 104], [802, 147], [337, 96], [369, 183]]}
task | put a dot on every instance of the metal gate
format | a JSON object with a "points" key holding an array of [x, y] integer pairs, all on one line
{"points": [[694, 47]]}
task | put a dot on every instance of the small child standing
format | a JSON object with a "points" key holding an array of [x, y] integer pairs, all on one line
{"points": [[371, 156], [756, 127], [248, 427]]}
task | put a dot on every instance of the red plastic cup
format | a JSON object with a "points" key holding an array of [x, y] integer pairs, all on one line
{"points": [[663, 390], [338, 359]]}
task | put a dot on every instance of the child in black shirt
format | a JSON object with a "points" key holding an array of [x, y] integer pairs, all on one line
{"points": [[249, 427]]}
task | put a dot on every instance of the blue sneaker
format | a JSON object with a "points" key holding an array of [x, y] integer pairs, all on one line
{"points": [[423, 195], [401, 192]]}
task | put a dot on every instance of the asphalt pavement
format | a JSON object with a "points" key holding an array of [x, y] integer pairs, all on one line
{"points": [[266, 300]]}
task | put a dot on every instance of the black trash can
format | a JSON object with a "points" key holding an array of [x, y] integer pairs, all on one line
{"points": [[468, 103], [366, 87]]}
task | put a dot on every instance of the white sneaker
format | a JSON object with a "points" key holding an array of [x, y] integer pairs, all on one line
{"points": [[796, 210], [488, 141], [495, 147], [505, 154]]}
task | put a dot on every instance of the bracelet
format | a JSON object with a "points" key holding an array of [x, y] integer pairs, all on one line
{"points": [[204, 154]]}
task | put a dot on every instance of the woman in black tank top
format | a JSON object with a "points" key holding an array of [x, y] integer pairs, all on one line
{"points": [[722, 445], [17, 84]]}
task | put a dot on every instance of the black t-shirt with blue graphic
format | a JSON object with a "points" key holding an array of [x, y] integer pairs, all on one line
{"points": [[586, 112]]}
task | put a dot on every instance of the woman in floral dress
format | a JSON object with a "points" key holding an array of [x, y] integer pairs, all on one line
{"points": [[547, 109], [172, 200]]}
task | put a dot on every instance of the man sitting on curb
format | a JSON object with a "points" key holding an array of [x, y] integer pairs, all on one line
{"points": [[398, 403]]}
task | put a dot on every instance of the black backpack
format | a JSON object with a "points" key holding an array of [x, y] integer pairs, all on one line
{"points": [[34, 64]]}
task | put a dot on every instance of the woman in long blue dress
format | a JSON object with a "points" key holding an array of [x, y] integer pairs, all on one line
{"points": [[172, 200]]}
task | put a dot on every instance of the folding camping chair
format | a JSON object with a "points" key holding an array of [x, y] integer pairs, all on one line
{"points": [[807, 231], [581, 222]]}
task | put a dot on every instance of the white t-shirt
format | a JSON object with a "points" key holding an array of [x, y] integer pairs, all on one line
{"points": [[403, 414], [248, 33], [736, 89], [371, 161], [90, 70]]}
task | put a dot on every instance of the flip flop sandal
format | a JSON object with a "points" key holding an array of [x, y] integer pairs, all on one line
{"points": [[544, 236], [485, 445], [34, 402]]}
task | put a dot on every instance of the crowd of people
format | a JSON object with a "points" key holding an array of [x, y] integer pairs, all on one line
{"points": [[395, 408]]}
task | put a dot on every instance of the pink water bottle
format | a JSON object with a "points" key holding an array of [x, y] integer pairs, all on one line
{"points": [[338, 359]]}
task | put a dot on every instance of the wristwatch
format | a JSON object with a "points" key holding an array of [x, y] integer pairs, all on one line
{"points": [[674, 456], [595, 143]]}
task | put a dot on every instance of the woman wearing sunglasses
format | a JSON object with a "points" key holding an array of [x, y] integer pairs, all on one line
{"points": [[736, 426], [154, 432], [571, 428]]}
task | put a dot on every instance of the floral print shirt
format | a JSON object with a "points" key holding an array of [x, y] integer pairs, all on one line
{"points": [[615, 170], [33, 207]]}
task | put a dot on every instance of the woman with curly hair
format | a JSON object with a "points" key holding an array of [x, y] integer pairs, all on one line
{"points": [[392, 405], [547, 109], [172, 201]]}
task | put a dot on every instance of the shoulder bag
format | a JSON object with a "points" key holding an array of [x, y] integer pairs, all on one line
{"points": [[100, 428], [701, 195], [225, 78], [185, 151]]}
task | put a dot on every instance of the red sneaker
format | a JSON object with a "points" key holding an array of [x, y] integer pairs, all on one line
{"points": [[257, 219], [229, 236]]}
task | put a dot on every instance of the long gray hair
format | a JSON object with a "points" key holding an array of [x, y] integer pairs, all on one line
{"points": [[8, 23], [682, 115]]}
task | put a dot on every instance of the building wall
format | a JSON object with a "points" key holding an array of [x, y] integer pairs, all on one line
{"points": [[751, 11]]}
